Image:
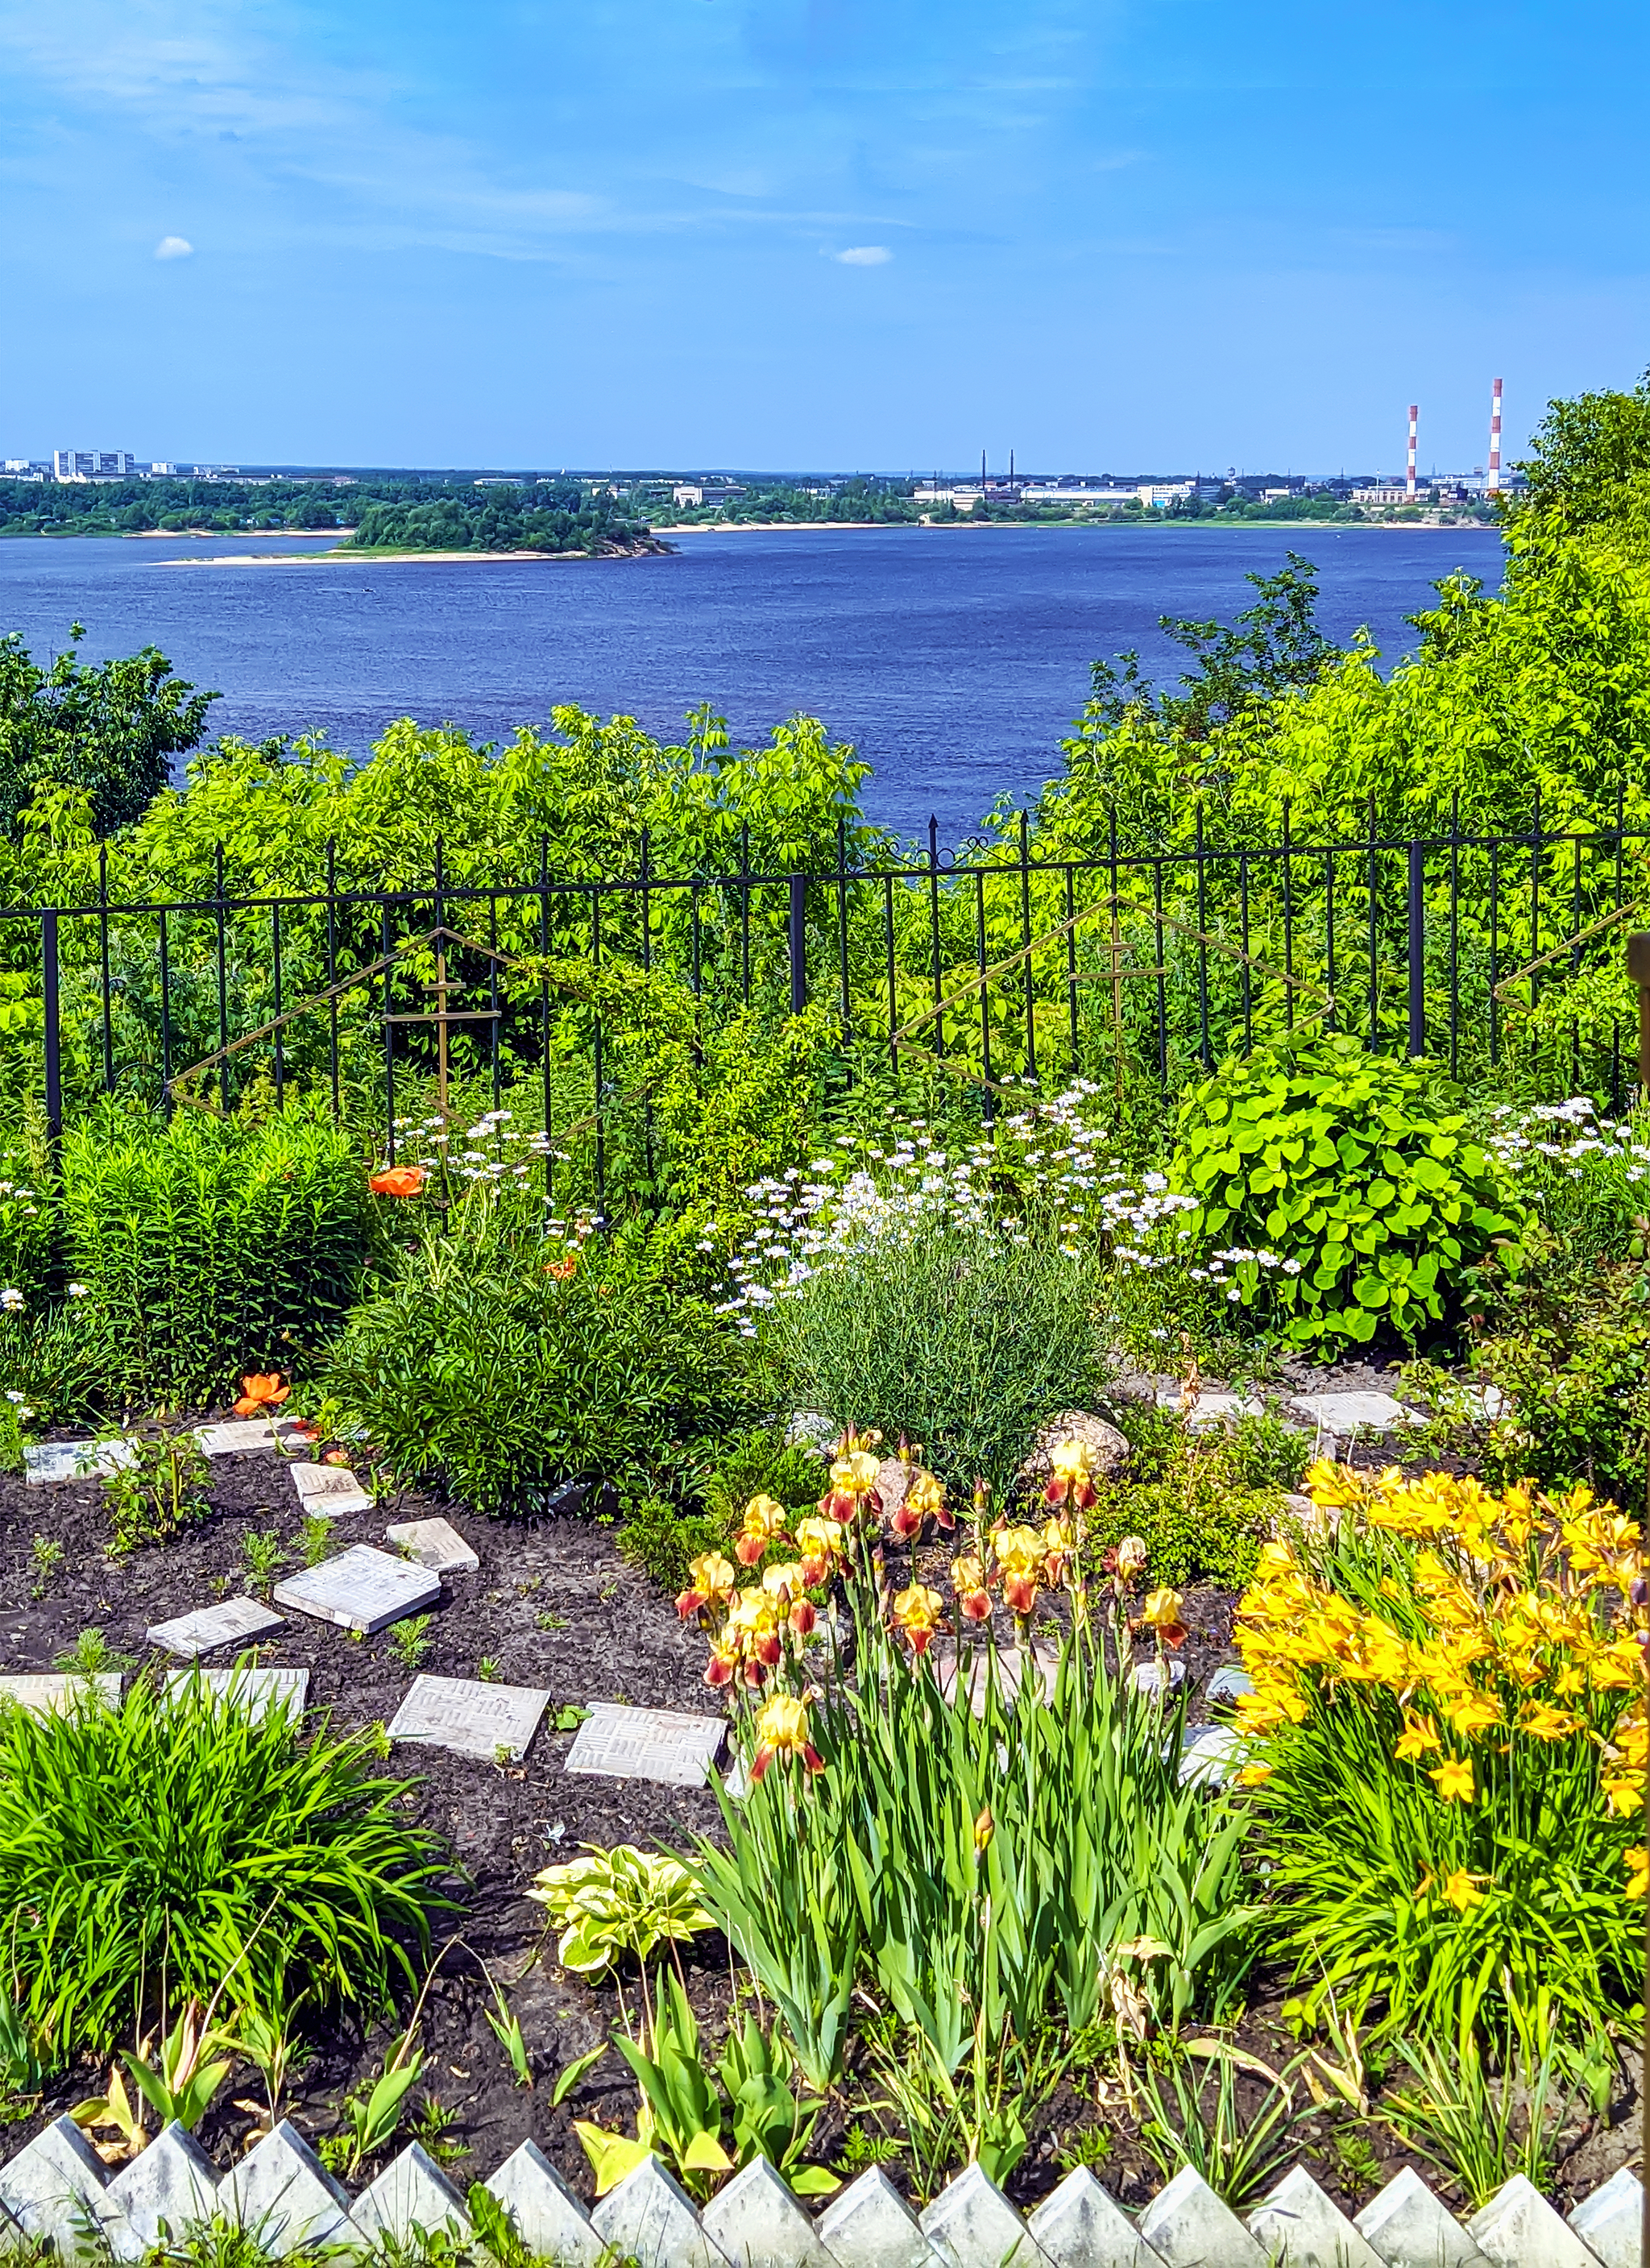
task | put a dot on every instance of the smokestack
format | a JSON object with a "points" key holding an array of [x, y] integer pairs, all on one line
{"points": [[982, 469], [1409, 470], [1493, 483]]}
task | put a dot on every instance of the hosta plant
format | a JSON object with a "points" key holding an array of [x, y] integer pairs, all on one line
{"points": [[613, 1903]]}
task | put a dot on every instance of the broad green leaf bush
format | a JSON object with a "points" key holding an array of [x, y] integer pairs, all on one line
{"points": [[1344, 1194], [1449, 1752], [501, 1362], [173, 1836]]}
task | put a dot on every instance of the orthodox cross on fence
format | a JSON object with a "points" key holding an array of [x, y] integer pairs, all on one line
{"points": [[441, 1015]]}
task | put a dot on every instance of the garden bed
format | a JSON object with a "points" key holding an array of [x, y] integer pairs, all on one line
{"points": [[553, 1605]]}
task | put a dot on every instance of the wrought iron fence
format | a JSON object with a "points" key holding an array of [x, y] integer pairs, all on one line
{"points": [[1140, 963]]}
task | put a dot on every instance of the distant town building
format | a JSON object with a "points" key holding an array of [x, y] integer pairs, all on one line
{"points": [[1074, 493], [1385, 494], [92, 464], [705, 492]]}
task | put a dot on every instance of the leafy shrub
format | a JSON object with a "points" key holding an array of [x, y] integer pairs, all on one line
{"points": [[661, 1537], [172, 1836], [210, 1246], [504, 1365], [162, 1490], [1562, 1314], [1204, 1500], [1449, 1707], [1344, 1194]]}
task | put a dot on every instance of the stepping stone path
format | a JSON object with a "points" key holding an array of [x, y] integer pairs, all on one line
{"points": [[1148, 1676], [434, 1544], [469, 1716], [1341, 1414], [1210, 1409], [325, 1490], [46, 1462], [241, 1436], [361, 1590], [663, 1745], [251, 1686], [235, 1620], [39, 1692], [1011, 1662], [1210, 1753]]}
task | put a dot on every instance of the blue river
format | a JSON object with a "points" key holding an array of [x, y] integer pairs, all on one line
{"points": [[953, 658]]}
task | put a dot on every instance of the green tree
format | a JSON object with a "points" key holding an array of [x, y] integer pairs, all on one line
{"points": [[108, 729]]}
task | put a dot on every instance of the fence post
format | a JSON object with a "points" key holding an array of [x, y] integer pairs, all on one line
{"points": [[1417, 949], [54, 1026], [799, 943]]}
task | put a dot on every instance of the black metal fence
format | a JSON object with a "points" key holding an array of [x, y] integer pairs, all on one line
{"points": [[997, 965]]}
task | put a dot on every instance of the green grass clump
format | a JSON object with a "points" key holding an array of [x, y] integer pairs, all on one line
{"points": [[172, 1842]]}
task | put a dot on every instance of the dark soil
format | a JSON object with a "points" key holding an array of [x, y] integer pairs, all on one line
{"points": [[553, 1605]]}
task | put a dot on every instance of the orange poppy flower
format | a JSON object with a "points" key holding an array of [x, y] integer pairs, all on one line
{"points": [[398, 1182], [262, 1393]]}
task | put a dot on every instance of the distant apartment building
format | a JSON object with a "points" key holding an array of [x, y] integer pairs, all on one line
{"points": [[705, 492], [93, 464]]}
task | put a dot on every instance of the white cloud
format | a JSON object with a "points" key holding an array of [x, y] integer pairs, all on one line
{"points": [[173, 247], [863, 256]]}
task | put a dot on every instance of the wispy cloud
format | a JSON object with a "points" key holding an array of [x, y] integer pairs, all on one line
{"points": [[864, 255], [173, 247]]}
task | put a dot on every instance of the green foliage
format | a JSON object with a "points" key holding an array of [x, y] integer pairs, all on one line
{"points": [[534, 517], [877, 1871], [662, 1539], [1276, 648], [1484, 2116], [481, 1366], [1361, 1186], [619, 1902], [1238, 2150], [1589, 463], [160, 1490], [174, 1835], [684, 2112], [109, 729], [1203, 1499], [211, 1247], [960, 1337]]}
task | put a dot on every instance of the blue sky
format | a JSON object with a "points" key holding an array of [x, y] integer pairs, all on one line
{"points": [[1107, 233]]}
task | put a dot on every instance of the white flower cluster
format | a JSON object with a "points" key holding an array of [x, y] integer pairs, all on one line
{"points": [[875, 1196], [1568, 1133], [472, 1165], [26, 1208], [12, 1300]]}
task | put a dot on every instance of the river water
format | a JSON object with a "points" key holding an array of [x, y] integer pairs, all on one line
{"points": [[955, 658]]}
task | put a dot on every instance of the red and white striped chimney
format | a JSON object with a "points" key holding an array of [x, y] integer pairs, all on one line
{"points": [[1409, 473], [1493, 483]]}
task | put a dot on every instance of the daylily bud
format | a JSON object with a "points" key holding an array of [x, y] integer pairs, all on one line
{"points": [[984, 1827]]}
